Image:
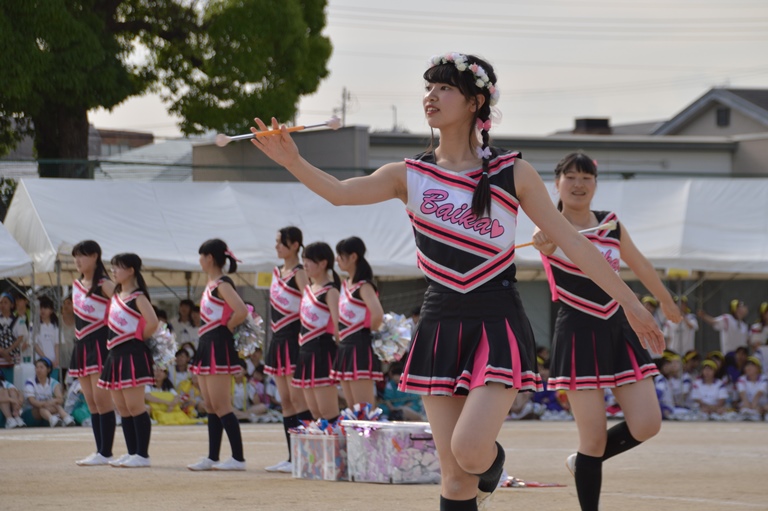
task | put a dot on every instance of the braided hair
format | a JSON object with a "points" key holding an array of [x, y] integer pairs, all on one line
{"points": [[467, 83]]}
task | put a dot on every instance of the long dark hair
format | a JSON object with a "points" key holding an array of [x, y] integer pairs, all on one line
{"points": [[47, 303], [290, 235], [127, 261], [574, 162], [220, 253], [320, 251], [465, 81], [354, 245], [87, 248]]}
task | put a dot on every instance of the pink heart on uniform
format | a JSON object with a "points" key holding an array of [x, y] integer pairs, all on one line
{"points": [[496, 229]]}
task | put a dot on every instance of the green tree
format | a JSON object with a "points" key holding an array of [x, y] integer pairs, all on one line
{"points": [[218, 63]]}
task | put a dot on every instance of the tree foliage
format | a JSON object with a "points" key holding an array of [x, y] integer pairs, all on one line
{"points": [[217, 63]]}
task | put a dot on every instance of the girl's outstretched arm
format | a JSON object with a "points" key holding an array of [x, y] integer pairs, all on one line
{"points": [[388, 182]]}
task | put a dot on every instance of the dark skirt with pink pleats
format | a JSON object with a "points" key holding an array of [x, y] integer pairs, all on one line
{"points": [[594, 353], [355, 359], [128, 365], [313, 368], [464, 341]]}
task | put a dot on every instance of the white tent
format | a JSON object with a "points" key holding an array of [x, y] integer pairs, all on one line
{"points": [[14, 262], [709, 225]]}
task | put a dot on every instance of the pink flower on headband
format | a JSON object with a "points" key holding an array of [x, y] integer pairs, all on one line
{"points": [[483, 125], [482, 80]]}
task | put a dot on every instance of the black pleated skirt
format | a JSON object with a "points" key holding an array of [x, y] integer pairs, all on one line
{"points": [[216, 354], [283, 351], [464, 341], [313, 368], [128, 365], [593, 353], [89, 354], [355, 359]]}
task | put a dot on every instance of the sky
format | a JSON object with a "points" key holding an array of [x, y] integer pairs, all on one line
{"points": [[556, 60]]}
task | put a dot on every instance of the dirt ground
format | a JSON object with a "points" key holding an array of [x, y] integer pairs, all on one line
{"points": [[689, 466]]}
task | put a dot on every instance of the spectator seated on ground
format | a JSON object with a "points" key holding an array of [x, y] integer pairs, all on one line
{"points": [[179, 371], [398, 405], [192, 402], [164, 402], [246, 404], [709, 393], [753, 390], [45, 396], [75, 404], [11, 403]]}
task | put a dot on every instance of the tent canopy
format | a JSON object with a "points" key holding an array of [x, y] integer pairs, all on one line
{"points": [[710, 225], [14, 262]]}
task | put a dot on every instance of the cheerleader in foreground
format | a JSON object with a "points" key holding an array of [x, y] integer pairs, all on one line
{"points": [[594, 347], [216, 360], [356, 366], [129, 367], [90, 302], [473, 349], [317, 342], [283, 347]]}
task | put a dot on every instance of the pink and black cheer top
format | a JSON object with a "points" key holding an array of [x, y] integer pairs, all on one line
{"points": [[284, 299], [90, 311], [572, 286], [125, 321], [316, 317], [215, 312], [454, 248]]}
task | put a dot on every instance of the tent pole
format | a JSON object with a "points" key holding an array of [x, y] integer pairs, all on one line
{"points": [[57, 304], [188, 277]]}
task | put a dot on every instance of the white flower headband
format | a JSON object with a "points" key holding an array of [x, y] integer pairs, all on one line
{"points": [[460, 61]]}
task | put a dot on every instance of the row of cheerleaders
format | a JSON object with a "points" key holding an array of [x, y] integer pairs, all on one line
{"points": [[320, 337]]}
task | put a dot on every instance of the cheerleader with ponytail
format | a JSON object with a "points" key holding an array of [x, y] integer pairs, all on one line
{"points": [[317, 343], [90, 302], [129, 368], [356, 366], [216, 359], [282, 350], [473, 348]]}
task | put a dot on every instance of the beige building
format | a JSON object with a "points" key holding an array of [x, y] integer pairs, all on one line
{"points": [[723, 133]]}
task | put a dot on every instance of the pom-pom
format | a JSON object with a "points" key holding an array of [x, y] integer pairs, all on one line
{"points": [[391, 341], [362, 412], [249, 335], [162, 346]]}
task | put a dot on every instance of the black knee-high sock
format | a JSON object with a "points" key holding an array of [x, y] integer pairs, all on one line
{"points": [[589, 480], [232, 427], [457, 505], [619, 440], [143, 432], [290, 421], [306, 415], [107, 423], [489, 479], [129, 432], [215, 430], [96, 426]]}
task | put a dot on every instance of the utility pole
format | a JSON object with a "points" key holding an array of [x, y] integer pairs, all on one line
{"points": [[345, 96], [394, 118]]}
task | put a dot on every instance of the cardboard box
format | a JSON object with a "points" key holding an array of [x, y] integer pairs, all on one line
{"points": [[322, 457], [391, 452]]}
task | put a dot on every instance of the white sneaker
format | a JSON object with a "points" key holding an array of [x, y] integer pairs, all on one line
{"points": [[285, 467], [136, 461], [94, 460], [54, 421], [203, 464], [69, 421], [230, 464], [11, 423], [119, 461], [570, 464]]}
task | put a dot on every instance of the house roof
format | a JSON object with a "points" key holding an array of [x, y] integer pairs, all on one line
{"points": [[752, 103]]}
